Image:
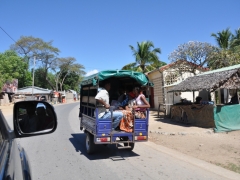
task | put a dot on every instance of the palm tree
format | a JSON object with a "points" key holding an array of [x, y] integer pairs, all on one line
{"points": [[146, 59], [224, 39], [236, 40], [229, 49]]}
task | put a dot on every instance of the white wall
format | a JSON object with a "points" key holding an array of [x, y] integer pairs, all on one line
{"points": [[5, 100], [175, 97], [160, 90], [156, 102]]}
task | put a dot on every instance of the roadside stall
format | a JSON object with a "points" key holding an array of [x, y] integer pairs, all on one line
{"points": [[220, 109]]}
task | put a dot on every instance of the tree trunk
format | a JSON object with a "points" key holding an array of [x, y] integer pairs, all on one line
{"points": [[49, 82], [61, 83]]}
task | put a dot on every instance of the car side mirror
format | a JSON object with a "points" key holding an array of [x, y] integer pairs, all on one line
{"points": [[33, 118]]}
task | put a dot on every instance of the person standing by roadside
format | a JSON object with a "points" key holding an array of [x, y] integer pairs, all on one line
{"points": [[198, 100]]}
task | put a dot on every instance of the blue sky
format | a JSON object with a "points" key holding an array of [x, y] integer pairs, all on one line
{"points": [[98, 32]]}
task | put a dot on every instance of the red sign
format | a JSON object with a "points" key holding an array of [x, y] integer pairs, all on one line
{"points": [[56, 94]]}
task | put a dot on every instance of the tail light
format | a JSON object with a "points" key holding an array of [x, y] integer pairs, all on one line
{"points": [[103, 139], [139, 138]]}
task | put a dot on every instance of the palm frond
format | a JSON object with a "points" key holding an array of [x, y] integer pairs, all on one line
{"points": [[223, 38], [129, 66], [145, 54]]}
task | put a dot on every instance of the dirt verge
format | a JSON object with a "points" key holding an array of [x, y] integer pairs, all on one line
{"points": [[222, 149]]}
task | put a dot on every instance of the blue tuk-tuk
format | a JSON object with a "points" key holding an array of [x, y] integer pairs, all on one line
{"points": [[99, 131]]}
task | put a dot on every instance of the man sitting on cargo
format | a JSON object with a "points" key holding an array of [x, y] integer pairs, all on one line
{"points": [[102, 97]]}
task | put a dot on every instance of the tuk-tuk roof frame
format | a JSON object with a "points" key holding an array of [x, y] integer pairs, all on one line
{"points": [[94, 79]]}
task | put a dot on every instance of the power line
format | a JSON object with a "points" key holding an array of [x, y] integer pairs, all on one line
{"points": [[8, 34], [12, 39]]}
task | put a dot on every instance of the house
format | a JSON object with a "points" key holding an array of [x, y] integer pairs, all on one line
{"points": [[7, 91], [69, 95], [29, 91], [166, 77]]}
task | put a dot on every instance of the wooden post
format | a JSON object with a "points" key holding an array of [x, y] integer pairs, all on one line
{"points": [[173, 98], [193, 96]]}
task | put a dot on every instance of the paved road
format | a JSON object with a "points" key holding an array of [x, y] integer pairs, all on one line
{"points": [[62, 156]]}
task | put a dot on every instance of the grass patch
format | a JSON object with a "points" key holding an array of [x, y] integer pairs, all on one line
{"points": [[231, 167]]}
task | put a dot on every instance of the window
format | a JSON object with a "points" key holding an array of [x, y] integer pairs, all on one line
{"points": [[182, 68], [171, 77]]}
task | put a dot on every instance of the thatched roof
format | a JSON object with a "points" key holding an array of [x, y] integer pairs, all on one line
{"points": [[228, 77]]}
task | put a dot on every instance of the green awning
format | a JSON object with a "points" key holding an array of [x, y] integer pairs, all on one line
{"points": [[141, 78], [227, 118]]}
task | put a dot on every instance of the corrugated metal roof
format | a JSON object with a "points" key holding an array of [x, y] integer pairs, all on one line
{"points": [[36, 90], [221, 70]]}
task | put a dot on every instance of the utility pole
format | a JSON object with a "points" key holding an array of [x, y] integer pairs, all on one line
{"points": [[33, 74]]}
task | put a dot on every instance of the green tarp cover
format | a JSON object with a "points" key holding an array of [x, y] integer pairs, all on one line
{"points": [[102, 75], [227, 118]]}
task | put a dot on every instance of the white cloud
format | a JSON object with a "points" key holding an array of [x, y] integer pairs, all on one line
{"points": [[91, 72]]}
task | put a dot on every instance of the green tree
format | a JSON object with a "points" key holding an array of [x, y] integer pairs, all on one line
{"points": [[45, 53], [13, 67], [236, 41], [72, 82], [25, 79], [146, 57], [39, 80], [27, 47], [223, 58], [224, 39], [66, 67], [228, 53]]}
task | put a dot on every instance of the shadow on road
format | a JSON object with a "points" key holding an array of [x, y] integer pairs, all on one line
{"points": [[102, 152], [170, 121]]}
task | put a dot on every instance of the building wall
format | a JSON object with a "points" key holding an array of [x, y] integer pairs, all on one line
{"points": [[161, 87], [156, 78], [180, 77], [69, 97]]}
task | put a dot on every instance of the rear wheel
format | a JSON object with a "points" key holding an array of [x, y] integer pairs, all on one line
{"points": [[89, 143], [127, 144], [130, 144]]}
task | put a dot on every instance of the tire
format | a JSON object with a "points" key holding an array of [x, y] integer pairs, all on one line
{"points": [[89, 143], [126, 144], [130, 144]]}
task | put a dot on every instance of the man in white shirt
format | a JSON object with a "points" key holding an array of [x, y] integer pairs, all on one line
{"points": [[103, 112]]}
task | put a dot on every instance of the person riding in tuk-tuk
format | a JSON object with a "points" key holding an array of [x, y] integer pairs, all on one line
{"points": [[102, 97]]}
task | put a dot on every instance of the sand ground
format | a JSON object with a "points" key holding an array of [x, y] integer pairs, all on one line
{"points": [[222, 149]]}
